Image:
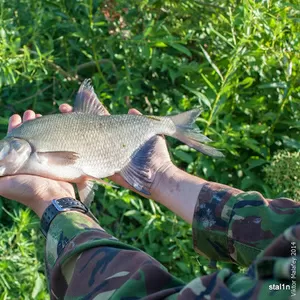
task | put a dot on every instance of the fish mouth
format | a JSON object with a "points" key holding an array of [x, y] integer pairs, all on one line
{"points": [[14, 153], [5, 149]]}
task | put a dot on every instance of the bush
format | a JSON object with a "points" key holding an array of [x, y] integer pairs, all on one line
{"points": [[283, 174], [236, 59]]}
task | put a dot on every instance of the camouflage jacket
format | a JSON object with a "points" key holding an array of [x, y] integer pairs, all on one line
{"points": [[85, 262]]}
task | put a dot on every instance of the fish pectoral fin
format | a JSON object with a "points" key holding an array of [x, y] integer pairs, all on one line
{"points": [[87, 101], [86, 192], [62, 158], [138, 171]]}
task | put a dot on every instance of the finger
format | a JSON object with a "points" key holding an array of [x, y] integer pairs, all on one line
{"points": [[134, 111], [14, 121], [28, 115], [38, 115], [65, 108]]}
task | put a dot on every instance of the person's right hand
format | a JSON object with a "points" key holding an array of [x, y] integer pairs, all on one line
{"points": [[160, 161]]}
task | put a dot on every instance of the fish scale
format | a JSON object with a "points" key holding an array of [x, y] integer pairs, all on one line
{"points": [[89, 145]]}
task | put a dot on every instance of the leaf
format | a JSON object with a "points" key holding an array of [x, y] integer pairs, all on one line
{"points": [[119, 56], [255, 162], [291, 124], [149, 29], [201, 97], [247, 82], [146, 51], [131, 213], [107, 220], [273, 85], [38, 286], [3, 121], [182, 266], [160, 45], [252, 144], [247, 182], [212, 63], [134, 233], [226, 40], [259, 128], [287, 141], [186, 157], [209, 83], [153, 208], [153, 234], [173, 74], [181, 49]]}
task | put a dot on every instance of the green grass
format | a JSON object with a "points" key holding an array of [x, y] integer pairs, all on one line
{"points": [[22, 270], [239, 60]]}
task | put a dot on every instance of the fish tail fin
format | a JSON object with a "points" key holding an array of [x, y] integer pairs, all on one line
{"points": [[188, 133]]}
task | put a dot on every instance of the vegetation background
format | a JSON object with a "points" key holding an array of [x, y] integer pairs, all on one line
{"points": [[238, 59]]}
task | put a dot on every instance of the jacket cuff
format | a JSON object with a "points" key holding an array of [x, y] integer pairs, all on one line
{"points": [[211, 221], [65, 227]]}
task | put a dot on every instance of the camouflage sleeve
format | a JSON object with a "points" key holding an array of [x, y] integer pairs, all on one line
{"points": [[84, 262], [231, 225]]}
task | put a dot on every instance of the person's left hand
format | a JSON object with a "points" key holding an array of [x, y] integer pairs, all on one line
{"points": [[33, 191]]}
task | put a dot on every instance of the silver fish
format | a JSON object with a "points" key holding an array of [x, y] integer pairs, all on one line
{"points": [[87, 145]]}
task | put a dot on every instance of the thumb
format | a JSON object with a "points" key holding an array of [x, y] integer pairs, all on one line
{"points": [[134, 111]]}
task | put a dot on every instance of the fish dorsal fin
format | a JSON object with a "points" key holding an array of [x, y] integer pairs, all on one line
{"points": [[87, 101]]}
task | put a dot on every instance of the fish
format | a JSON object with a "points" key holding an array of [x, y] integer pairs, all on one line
{"points": [[88, 145]]}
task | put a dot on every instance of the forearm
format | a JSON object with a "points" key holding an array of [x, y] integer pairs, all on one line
{"points": [[178, 191], [228, 224]]}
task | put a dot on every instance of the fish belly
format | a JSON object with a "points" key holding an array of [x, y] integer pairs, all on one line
{"points": [[70, 173]]}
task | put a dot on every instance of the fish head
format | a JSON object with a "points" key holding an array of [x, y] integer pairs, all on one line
{"points": [[13, 155]]}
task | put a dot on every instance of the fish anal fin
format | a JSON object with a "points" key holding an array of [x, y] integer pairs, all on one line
{"points": [[87, 101], [62, 158], [86, 192], [86, 189], [138, 171]]}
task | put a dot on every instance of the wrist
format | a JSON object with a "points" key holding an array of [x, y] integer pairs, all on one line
{"points": [[43, 202], [62, 205], [40, 208], [164, 177], [178, 191]]}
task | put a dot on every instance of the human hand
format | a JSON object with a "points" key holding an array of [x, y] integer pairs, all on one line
{"points": [[33, 191]]}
